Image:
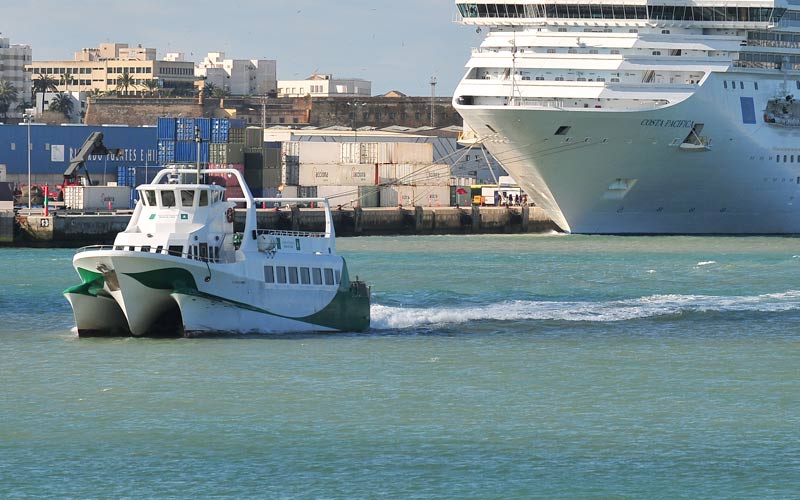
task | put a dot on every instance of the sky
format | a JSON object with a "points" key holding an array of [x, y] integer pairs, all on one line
{"points": [[398, 44]]}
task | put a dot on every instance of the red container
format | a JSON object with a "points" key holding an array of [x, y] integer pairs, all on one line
{"points": [[231, 183]]}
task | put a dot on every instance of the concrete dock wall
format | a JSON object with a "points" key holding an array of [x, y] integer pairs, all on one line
{"points": [[69, 230]]}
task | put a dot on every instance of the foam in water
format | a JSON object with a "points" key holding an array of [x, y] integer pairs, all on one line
{"points": [[385, 317], [706, 263]]}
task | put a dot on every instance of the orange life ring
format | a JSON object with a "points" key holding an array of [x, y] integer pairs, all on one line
{"points": [[230, 215]]}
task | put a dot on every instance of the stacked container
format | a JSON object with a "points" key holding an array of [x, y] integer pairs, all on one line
{"points": [[134, 177], [177, 138]]}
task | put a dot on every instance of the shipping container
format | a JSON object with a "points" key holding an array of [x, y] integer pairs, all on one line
{"points": [[166, 128], [430, 175], [319, 152], [226, 153], [346, 196], [290, 175], [166, 152], [460, 196], [361, 152], [97, 197], [186, 152], [253, 161], [413, 152], [232, 187], [424, 196], [219, 130], [185, 129], [290, 149], [290, 192], [387, 173], [204, 125], [271, 177], [254, 137], [307, 192], [332, 175], [369, 196], [236, 136], [272, 158]]}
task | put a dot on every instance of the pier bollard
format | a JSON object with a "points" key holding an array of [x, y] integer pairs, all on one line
{"points": [[357, 212], [476, 219], [526, 214], [295, 218]]}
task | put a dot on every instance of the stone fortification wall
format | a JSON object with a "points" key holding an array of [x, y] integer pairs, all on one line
{"points": [[139, 111]]}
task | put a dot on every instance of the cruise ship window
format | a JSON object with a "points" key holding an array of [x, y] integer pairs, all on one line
{"points": [[562, 130], [305, 276], [798, 84], [615, 51], [281, 270], [725, 83], [328, 276], [269, 274], [293, 275], [316, 273], [741, 85], [755, 85]]}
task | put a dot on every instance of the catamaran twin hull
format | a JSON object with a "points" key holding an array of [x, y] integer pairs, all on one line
{"points": [[135, 293], [634, 172]]}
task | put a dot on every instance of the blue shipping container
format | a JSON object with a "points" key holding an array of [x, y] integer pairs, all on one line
{"points": [[205, 128], [167, 128], [185, 129], [166, 152], [186, 152]]}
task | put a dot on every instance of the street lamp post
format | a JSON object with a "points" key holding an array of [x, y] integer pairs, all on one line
{"points": [[28, 117], [354, 106]]}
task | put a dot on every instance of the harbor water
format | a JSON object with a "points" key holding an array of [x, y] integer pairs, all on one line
{"points": [[499, 367]]}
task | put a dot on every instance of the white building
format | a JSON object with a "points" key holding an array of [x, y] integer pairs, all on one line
{"points": [[318, 85], [13, 59], [239, 76], [78, 104]]}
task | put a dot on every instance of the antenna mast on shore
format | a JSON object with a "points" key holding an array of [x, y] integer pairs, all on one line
{"points": [[433, 101]]}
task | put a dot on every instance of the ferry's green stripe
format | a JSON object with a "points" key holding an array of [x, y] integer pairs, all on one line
{"points": [[92, 282], [347, 311]]}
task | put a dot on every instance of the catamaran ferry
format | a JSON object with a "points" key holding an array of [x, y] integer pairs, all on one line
{"points": [[642, 116], [179, 269]]}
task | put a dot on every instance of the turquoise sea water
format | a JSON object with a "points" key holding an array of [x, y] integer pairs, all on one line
{"points": [[497, 367]]}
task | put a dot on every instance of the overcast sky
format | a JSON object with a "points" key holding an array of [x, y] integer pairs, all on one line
{"points": [[396, 44]]}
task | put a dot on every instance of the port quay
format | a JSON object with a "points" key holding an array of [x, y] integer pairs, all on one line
{"points": [[387, 183]]}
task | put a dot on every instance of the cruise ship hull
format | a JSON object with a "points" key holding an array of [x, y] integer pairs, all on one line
{"points": [[625, 172]]}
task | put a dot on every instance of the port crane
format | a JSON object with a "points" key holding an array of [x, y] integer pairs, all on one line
{"points": [[92, 146]]}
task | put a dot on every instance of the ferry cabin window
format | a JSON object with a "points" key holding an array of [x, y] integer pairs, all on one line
{"points": [[338, 276], [293, 275], [281, 271], [328, 276], [316, 273], [176, 250], [150, 198], [305, 276], [187, 197], [167, 198], [269, 274], [203, 198]]}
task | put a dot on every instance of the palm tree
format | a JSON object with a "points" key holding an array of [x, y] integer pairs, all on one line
{"points": [[45, 83], [209, 89], [125, 81], [8, 94], [62, 103], [151, 86], [66, 79], [221, 93]]}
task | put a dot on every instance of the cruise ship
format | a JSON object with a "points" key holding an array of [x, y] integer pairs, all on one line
{"points": [[642, 116]]}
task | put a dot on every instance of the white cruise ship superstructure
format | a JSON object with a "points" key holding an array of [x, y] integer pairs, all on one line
{"points": [[642, 116]]}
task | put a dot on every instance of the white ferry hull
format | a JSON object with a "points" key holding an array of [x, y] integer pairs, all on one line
{"points": [[734, 187], [147, 294]]}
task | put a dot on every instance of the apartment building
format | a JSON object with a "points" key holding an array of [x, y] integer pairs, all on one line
{"points": [[240, 77], [13, 59], [320, 85]]}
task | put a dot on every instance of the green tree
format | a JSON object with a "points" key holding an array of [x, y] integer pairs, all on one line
{"points": [[125, 81], [8, 95], [221, 93], [45, 83], [209, 88], [66, 79], [151, 86], [62, 103]]}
